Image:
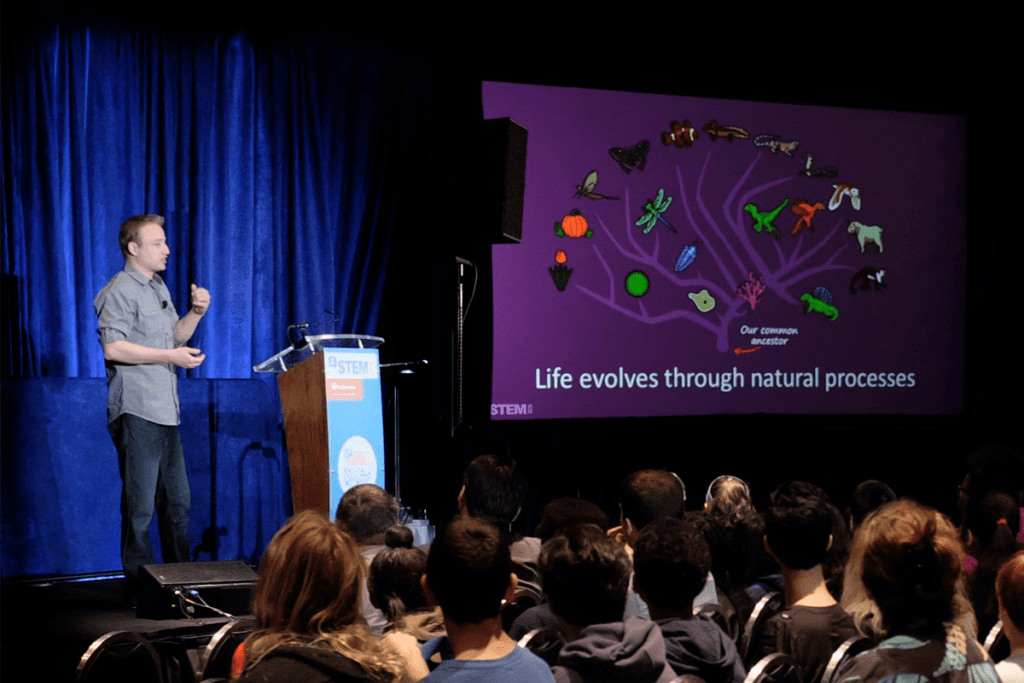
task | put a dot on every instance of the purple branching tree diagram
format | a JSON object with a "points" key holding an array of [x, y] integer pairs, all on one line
{"points": [[727, 239]]}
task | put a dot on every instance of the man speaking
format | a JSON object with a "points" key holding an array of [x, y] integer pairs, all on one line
{"points": [[143, 338]]}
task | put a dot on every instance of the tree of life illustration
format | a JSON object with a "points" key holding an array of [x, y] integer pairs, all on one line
{"points": [[727, 242]]}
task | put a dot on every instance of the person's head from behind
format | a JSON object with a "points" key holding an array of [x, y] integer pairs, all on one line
{"points": [[562, 512], [992, 468], [1010, 591], [493, 489], [911, 560], [728, 500], [798, 525], [671, 561], [309, 578], [648, 495], [868, 497], [367, 511], [585, 575], [469, 571], [997, 515], [394, 583]]}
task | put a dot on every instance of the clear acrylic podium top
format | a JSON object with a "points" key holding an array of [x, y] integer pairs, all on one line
{"points": [[291, 356]]}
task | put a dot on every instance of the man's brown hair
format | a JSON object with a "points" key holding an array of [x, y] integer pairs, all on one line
{"points": [[130, 229]]}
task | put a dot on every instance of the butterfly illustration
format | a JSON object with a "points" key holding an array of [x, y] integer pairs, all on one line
{"points": [[586, 188], [635, 156]]}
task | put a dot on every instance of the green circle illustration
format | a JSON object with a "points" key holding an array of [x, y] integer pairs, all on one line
{"points": [[637, 283]]}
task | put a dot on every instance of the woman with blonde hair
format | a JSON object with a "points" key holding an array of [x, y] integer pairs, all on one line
{"points": [[306, 605], [908, 560]]}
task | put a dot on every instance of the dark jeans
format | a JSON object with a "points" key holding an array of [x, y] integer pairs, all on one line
{"points": [[152, 466]]}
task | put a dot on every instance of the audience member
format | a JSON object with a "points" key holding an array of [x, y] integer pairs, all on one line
{"points": [[994, 468], [586, 577], [644, 497], [565, 511], [558, 515], [1010, 591], [838, 551], [798, 533], [395, 586], [671, 560], [493, 490], [367, 511], [734, 532], [469, 574], [911, 565], [306, 606], [994, 526], [867, 497]]}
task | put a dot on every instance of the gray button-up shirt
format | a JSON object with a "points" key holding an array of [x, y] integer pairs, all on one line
{"points": [[138, 309]]}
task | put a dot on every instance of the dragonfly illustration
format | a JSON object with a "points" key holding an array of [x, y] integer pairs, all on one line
{"points": [[586, 188], [653, 210]]}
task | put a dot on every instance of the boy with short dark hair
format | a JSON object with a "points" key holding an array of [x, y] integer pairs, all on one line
{"points": [[586, 578], [493, 490], [798, 534], [671, 561], [469, 574]]}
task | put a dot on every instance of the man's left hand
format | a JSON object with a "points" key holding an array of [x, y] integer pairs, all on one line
{"points": [[200, 299]]}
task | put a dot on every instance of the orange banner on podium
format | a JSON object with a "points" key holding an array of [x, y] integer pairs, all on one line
{"points": [[347, 389]]}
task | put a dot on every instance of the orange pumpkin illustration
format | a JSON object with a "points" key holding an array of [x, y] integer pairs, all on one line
{"points": [[573, 225]]}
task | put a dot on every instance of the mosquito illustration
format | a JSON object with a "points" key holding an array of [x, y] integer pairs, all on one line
{"points": [[653, 210]]}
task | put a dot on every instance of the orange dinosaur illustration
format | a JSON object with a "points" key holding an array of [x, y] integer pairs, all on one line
{"points": [[806, 211]]}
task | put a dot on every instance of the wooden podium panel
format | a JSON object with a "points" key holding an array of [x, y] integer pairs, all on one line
{"points": [[304, 404]]}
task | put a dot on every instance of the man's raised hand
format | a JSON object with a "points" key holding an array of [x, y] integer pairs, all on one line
{"points": [[200, 299], [187, 357]]}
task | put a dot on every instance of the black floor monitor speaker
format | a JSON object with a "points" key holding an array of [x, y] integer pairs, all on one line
{"points": [[178, 590]]}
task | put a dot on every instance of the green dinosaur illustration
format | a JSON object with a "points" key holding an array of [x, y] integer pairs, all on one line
{"points": [[828, 310], [763, 219]]}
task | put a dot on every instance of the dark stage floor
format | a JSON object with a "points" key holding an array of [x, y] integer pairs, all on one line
{"points": [[46, 627]]}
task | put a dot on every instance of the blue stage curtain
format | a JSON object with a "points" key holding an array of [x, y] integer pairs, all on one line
{"points": [[276, 162]]}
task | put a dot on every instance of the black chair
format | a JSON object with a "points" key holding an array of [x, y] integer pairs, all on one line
{"points": [[546, 643], [120, 656], [850, 648], [524, 599], [775, 668], [215, 661], [766, 608], [997, 645], [725, 615], [174, 660]]}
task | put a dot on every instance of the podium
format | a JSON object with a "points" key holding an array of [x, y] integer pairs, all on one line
{"points": [[331, 398]]}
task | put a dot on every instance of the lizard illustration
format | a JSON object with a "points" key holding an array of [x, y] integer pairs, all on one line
{"points": [[826, 309], [763, 219], [774, 143]]}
